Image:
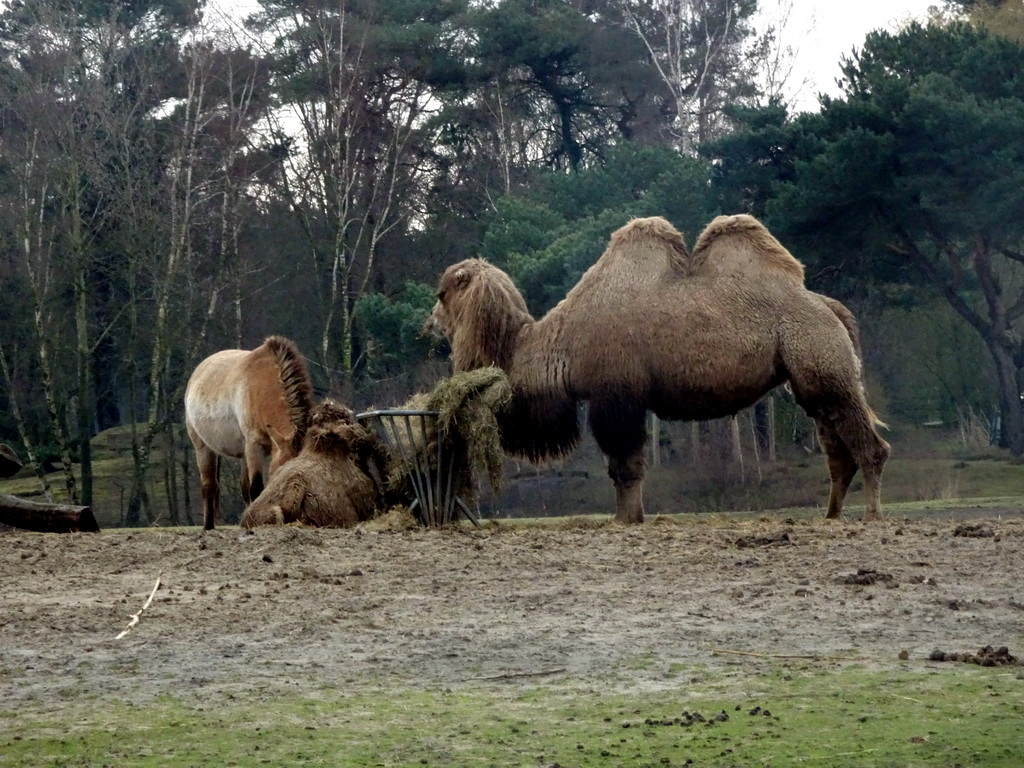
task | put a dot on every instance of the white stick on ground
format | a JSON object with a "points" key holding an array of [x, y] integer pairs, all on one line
{"points": [[135, 616]]}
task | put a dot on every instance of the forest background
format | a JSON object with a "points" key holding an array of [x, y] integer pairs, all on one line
{"points": [[169, 187]]}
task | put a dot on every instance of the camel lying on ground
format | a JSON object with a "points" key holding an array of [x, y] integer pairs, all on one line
{"points": [[688, 335], [331, 482]]}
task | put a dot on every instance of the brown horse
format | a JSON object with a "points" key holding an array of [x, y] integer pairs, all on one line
{"points": [[247, 405]]}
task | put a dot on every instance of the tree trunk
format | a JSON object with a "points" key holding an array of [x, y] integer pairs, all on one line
{"points": [[1009, 398], [764, 425], [695, 443], [82, 346], [82, 362], [45, 518], [737, 446], [171, 476], [655, 440], [26, 442]]}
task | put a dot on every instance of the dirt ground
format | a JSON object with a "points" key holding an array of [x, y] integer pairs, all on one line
{"points": [[629, 607]]}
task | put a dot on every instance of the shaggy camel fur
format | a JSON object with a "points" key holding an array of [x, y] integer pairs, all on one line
{"points": [[332, 480], [689, 336], [247, 405]]}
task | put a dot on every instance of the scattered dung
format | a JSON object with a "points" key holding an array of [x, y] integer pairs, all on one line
{"points": [[985, 657], [770, 540], [866, 576], [974, 531]]}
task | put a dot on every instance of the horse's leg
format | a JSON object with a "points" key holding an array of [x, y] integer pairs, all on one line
{"points": [[855, 426], [620, 429], [841, 467], [209, 466], [252, 471]]}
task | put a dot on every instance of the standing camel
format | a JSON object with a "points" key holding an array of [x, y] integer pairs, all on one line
{"points": [[247, 405], [689, 336]]}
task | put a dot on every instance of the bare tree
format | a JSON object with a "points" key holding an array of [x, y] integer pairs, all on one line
{"points": [[37, 234], [703, 51], [352, 118], [774, 53], [200, 188]]}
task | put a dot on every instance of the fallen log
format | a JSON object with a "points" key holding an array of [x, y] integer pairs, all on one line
{"points": [[46, 518]]}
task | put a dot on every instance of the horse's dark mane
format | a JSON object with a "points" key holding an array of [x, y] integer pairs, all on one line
{"points": [[298, 390]]}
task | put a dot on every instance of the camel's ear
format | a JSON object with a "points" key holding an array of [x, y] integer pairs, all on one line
{"points": [[462, 278]]}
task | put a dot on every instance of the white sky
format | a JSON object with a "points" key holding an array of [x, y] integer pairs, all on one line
{"points": [[821, 31]]}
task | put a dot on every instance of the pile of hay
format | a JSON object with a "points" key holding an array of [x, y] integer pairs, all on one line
{"points": [[468, 405], [398, 518]]}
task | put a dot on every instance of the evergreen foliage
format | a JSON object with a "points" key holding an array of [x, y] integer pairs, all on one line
{"points": [[911, 177]]}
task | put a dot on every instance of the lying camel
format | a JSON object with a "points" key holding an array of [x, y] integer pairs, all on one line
{"points": [[332, 482]]}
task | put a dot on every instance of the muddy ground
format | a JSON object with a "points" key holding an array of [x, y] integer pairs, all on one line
{"points": [[629, 607]]}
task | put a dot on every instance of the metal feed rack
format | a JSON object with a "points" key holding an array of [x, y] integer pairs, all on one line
{"points": [[407, 433]]}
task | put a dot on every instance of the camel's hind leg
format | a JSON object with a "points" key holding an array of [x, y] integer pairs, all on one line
{"points": [[841, 467], [627, 473], [621, 433], [854, 425]]}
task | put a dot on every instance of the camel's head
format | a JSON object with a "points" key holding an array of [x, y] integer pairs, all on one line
{"points": [[332, 428], [454, 280], [480, 311], [329, 411], [333, 438]]}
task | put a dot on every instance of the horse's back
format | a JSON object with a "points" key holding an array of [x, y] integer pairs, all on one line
{"points": [[213, 402]]}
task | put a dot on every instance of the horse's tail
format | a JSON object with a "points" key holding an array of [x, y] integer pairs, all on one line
{"points": [[849, 321], [298, 389]]}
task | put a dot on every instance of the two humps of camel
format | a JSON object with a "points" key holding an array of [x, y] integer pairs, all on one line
{"points": [[689, 335]]}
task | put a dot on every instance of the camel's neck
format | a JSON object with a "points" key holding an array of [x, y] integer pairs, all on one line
{"points": [[541, 361], [543, 421], [492, 342]]}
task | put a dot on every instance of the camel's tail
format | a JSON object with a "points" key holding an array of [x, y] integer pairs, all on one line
{"points": [[849, 321]]}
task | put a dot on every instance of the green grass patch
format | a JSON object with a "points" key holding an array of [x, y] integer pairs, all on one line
{"points": [[792, 716]]}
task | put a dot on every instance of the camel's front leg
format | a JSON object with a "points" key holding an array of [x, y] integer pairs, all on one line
{"points": [[627, 473], [856, 428], [620, 428]]}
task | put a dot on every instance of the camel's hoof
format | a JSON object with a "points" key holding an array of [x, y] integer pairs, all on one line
{"points": [[633, 519]]}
